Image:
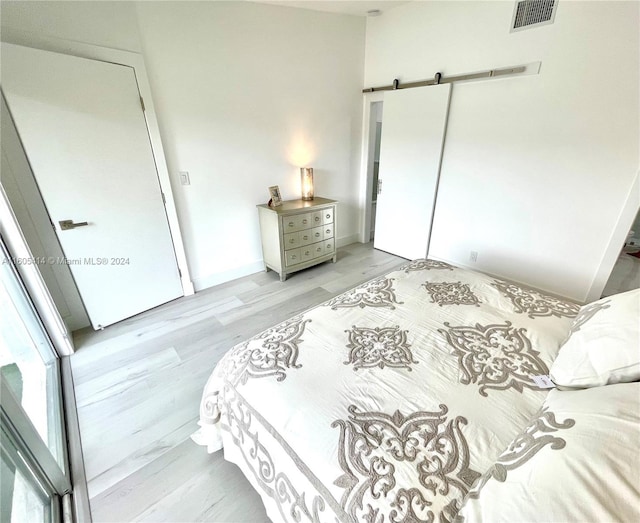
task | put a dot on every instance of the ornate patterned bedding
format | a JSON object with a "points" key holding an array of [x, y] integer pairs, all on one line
{"points": [[388, 402]]}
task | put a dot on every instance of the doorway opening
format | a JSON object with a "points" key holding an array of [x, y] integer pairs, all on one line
{"points": [[376, 129], [625, 275], [372, 185]]}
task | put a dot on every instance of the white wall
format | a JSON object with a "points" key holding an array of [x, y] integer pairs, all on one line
{"points": [[535, 169], [103, 23], [245, 94]]}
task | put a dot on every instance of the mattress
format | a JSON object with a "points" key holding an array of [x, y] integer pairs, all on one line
{"points": [[388, 402]]}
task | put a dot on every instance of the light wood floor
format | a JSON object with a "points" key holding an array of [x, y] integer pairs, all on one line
{"points": [[138, 386], [625, 275]]}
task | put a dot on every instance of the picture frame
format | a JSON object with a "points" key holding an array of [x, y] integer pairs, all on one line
{"points": [[276, 197]]}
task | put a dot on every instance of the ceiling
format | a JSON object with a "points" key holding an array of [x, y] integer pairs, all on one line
{"points": [[347, 7]]}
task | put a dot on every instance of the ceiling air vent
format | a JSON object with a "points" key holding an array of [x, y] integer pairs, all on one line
{"points": [[533, 13]]}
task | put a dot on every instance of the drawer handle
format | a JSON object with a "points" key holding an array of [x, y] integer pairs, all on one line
{"points": [[291, 240], [291, 224], [328, 216], [328, 231], [317, 235], [306, 253], [293, 257], [317, 218], [305, 237], [304, 221]]}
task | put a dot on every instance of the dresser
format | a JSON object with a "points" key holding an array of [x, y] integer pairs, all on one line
{"points": [[297, 234]]}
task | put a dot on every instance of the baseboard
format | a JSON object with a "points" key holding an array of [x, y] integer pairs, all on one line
{"points": [[509, 280], [233, 274], [347, 240], [187, 286], [228, 275]]}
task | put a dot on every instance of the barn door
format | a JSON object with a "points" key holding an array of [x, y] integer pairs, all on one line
{"points": [[82, 126], [410, 154]]}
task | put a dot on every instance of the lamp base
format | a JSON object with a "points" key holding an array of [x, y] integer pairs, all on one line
{"points": [[306, 183]]}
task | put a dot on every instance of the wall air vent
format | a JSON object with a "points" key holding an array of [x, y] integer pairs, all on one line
{"points": [[533, 13]]}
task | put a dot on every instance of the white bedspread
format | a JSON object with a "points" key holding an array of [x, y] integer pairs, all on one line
{"points": [[386, 403]]}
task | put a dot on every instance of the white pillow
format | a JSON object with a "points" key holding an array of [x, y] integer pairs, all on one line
{"points": [[576, 461], [603, 346]]}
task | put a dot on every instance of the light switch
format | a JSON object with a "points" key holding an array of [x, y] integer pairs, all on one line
{"points": [[184, 178]]}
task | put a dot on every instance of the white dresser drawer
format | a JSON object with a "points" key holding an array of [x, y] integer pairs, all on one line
{"points": [[316, 234], [316, 218], [290, 224], [305, 221], [306, 237], [327, 216], [318, 249], [327, 231], [291, 240], [306, 253], [328, 246], [292, 257]]}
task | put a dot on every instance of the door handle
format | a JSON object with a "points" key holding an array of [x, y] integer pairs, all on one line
{"points": [[65, 225]]}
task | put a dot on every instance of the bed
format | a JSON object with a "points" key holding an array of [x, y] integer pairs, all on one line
{"points": [[416, 397]]}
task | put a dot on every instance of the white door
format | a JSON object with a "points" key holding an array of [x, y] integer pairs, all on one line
{"points": [[84, 132], [410, 153], [26, 203]]}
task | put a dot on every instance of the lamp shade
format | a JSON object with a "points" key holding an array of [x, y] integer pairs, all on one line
{"points": [[306, 182]]}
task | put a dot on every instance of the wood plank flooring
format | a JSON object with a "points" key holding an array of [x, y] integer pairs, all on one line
{"points": [[625, 275], [138, 385]]}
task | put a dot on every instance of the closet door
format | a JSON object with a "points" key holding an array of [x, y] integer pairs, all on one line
{"points": [[413, 131]]}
